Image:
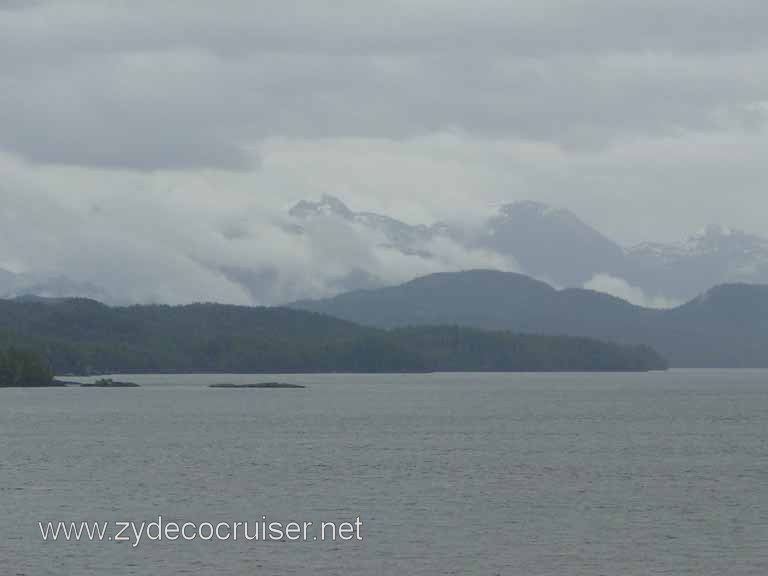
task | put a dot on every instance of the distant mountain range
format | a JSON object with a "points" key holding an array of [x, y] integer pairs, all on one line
{"points": [[545, 242], [713, 256], [408, 239], [725, 327], [83, 336], [555, 245], [47, 286]]}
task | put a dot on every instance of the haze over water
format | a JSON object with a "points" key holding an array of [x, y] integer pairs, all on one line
{"points": [[618, 474]]}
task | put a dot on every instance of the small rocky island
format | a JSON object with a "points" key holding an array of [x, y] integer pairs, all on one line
{"points": [[108, 383], [257, 385]]}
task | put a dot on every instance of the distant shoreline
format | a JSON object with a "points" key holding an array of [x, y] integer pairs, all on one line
{"points": [[368, 373]]}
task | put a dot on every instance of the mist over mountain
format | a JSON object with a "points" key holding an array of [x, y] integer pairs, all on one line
{"points": [[555, 245], [551, 243], [47, 286], [725, 327], [320, 248], [405, 238]]}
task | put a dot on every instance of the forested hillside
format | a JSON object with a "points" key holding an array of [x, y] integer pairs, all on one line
{"points": [[726, 327], [82, 336]]}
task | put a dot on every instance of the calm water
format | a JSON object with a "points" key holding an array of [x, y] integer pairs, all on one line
{"points": [[450, 474]]}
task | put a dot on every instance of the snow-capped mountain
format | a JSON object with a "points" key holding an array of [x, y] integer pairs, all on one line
{"points": [[555, 245], [546, 242], [406, 238], [354, 250], [711, 240], [712, 256]]}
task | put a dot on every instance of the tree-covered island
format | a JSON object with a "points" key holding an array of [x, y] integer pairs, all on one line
{"points": [[24, 369]]}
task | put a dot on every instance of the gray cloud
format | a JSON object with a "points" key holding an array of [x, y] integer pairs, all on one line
{"points": [[146, 86], [180, 247], [16, 4], [155, 149]]}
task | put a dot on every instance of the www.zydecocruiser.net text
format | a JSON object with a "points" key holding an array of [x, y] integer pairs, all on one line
{"points": [[160, 530]]}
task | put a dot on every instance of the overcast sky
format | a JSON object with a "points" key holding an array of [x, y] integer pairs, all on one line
{"points": [[134, 135]]}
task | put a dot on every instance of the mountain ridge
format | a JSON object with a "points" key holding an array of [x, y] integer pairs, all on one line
{"points": [[537, 239], [725, 327], [84, 336], [556, 245]]}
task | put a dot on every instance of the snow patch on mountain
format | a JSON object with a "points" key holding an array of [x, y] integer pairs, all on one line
{"points": [[398, 235], [381, 249], [713, 239]]}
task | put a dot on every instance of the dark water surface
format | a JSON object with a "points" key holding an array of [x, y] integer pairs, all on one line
{"points": [[451, 474]]}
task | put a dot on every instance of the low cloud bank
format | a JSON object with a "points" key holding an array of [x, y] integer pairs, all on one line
{"points": [[178, 247], [620, 288]]}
